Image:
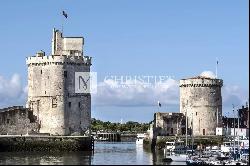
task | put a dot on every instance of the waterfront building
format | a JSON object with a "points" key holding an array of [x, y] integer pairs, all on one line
{"points": [[242, 114], [169, 124], [242, 132]]}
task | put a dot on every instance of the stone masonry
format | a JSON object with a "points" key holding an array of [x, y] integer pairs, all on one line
{"points": [[51, 93], [169, 124], [201, 101], [17, 120]]}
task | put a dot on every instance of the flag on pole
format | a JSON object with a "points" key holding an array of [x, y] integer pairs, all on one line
{"points": [[65, 14], [159, 104]]}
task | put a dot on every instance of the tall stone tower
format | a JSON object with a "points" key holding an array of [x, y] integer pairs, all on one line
{"points": [[201, 98], [51, 91]]}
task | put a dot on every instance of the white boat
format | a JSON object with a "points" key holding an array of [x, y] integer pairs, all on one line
{"points": [[177, 146], [175, 151], [179, 157], [170, 146], [139, 139], [176, 157], [226, 147]]}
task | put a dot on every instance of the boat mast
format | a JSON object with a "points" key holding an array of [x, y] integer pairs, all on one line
{"points": [[186, 127], [238, 133], [192, 133], [234, 132]]}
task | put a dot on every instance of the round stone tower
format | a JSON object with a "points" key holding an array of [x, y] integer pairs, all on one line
{"points": [[201, 101], [51, 87]]}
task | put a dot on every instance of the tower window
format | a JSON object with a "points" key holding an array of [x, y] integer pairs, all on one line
{"points": [[45, 92], [204, 132], [79, 104], [69, 104], [196, 113], [41, 71], [65, 74], [54, 102]]}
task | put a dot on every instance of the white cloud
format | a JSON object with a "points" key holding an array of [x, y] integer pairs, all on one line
{"points": [[12, 91], [208, 74], [167, 93], [130, 93], [233, 94]]}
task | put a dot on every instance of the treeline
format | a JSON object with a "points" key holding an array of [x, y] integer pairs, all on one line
{"points": [[128, 127]]}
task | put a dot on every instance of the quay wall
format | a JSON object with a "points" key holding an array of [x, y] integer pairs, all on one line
{"points": [[17, 143]]}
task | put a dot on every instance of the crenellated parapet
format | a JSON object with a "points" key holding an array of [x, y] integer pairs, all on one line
{"points": [[201, 82], [59, 60]]}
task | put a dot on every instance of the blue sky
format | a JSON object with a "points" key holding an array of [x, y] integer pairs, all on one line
{"points": [[178, 38]]}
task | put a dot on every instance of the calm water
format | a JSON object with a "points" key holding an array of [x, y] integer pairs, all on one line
{"points": [[104, 153]]}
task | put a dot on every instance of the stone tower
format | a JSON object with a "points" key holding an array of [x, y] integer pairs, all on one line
{"points": [[201, 98], [51, 91]]}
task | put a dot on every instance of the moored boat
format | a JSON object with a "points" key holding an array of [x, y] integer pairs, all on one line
{"points": [[139, 139]]}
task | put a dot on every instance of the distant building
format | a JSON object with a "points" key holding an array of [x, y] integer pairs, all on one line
{"points": [[242, 132], [242, 114], [201, 101], [17, 120], [169, 124]]}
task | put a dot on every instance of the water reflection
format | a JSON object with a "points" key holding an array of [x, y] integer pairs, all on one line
{"points": [[104, 154], [27, 158]]}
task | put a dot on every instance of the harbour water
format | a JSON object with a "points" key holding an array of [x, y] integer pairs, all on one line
{"points": [[105, 153]]}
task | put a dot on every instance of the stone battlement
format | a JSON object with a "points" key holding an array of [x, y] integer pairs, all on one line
{"points": [[12, 108], [59, 60], [201, 82]]}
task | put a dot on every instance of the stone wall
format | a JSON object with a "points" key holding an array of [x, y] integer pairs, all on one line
{"points": [[17, 120], [201, 98]]}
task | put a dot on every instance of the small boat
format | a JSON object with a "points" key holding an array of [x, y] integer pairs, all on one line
{"points": [[170, 156], [102, 139], [175, 146], [139, 139], [178, 157]]}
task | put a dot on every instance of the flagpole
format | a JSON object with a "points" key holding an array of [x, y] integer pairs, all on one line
{"points": [[216, 68], [62, 25]]}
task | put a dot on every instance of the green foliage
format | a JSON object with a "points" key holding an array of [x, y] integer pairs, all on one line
{"points": [[129, 127]]}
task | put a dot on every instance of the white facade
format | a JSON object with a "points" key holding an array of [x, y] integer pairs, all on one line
{"points": [[242, 132]]}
